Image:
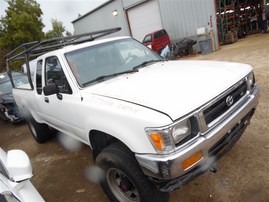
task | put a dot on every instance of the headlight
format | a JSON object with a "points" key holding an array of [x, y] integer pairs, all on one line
{"points": [[181, 130], [251, 80], [164, 139]]}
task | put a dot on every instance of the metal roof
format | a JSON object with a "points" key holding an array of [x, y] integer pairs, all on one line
{"points": [[92, 11]]}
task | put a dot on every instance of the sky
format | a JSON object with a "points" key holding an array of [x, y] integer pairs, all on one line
{"points": [[63, 10]]}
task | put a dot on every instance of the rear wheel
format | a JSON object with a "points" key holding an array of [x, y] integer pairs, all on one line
{"points": [[40, 132], [124, 180]]}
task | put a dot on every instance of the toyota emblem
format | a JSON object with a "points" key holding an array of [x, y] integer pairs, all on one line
{"points": [[229, 100]]}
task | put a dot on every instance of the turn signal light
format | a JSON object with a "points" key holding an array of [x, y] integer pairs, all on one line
{"points": [[192, 160], [157, 140]]}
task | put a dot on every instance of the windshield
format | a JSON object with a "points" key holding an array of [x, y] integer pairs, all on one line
{"points": [[6, 87], [112, 58]]}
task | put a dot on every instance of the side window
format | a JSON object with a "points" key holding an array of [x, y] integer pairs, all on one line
{"points": [[55, 74], [147, 39], [39, 77], [161, 33], [156, 35]]}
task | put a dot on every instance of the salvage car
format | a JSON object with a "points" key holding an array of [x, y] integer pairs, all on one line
{"points": [[157, 40], [9, 110], [15, 175], [153, 125]]}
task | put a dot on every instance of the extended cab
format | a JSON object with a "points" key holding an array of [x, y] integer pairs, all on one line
{"points": [[153, 125]]}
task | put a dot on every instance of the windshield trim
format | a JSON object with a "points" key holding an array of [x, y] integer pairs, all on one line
{"points": [[146, 63], [109, 76]]}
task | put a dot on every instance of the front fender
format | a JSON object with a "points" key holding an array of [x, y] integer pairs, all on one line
{"points": [[126, 122]]}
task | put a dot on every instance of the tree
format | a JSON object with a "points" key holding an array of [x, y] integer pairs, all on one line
{"points": [[22, 23], [57, 29], [67, 33]]}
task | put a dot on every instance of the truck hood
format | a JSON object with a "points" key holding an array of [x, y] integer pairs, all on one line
{"points": [[174, 88]]}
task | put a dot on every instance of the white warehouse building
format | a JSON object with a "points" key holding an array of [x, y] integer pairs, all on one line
{"points": [[180, 18]]}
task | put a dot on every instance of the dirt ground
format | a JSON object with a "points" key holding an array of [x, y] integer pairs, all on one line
{"points": [[242, 173]]}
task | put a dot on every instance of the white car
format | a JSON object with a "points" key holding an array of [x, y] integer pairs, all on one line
{"points": [[15, 175]]}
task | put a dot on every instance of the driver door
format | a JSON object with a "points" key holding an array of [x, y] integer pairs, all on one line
{"points": [[60, 110]]}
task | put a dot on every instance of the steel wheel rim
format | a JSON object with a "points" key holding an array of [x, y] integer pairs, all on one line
{"points": [[115, 179]]}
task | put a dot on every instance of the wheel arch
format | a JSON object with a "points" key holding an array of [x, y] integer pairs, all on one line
{"points": [[99, 140]]}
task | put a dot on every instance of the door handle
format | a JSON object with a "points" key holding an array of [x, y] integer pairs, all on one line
{"points": [[47, 100]]}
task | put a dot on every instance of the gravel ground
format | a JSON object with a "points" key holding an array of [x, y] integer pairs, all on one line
{"points": [[242, 173]]}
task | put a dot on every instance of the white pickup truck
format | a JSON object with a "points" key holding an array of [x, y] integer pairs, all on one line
{"points": [[153, 125]]}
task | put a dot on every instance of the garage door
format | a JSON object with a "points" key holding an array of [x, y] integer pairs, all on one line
{"points": [[144, 19]]}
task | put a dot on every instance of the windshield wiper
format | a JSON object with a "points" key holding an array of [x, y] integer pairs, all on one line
{"points": [[104, 77], [143, 64]]}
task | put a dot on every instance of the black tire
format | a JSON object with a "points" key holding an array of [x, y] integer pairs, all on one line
{"points": [[124, 180], [40, 132]]}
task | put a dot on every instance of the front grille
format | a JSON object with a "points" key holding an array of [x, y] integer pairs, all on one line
{"points": [[221, 106]]}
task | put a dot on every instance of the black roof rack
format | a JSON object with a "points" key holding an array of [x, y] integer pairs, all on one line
{"points": [[36, 48]]}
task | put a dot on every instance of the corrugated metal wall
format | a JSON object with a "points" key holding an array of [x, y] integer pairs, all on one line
{"points": [[103, 19], [181, 18]]}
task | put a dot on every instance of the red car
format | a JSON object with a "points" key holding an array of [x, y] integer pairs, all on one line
{"points": [[157, 40]]}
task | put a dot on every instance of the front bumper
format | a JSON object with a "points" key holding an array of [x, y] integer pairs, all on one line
{"points": [[166, 170]]}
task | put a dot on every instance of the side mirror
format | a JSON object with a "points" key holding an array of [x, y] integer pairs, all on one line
{"points": [[18, 165], [51, 89]]}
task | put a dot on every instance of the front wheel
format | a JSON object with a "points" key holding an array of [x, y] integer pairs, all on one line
{"points": [[124, 180]]}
